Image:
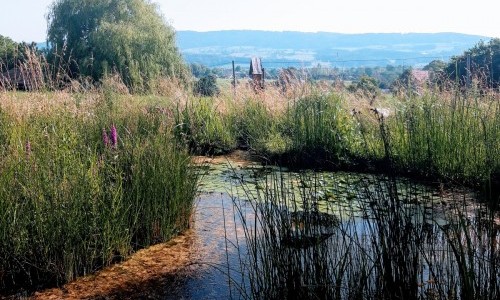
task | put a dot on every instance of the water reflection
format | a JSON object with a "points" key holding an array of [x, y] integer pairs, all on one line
{"points": [[386, 238], [266, 232]]}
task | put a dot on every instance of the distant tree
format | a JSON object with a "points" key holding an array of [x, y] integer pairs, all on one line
{"points": [[9, 51], [437, 71], [12, 53], [435, 66], [485, 64], [367, 86], [97, 37], [206, 86], [369, 72], [390, 68], [199, 70], [218, 72], [408, 84], [405, 79]]}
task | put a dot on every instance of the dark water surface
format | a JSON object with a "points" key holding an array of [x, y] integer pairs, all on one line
{"points": [[222, 205]]}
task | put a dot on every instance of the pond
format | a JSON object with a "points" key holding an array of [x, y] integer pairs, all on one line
{"points": [[266, 232], [316, 234]]}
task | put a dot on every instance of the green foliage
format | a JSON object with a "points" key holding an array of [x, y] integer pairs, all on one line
{"points": [[437, 74], [8, 53], [485, 64], [12, 53], [204, 129], [71, 203], [367, 86], [459, 142], [406, 84], [435, 66], [199, 70], [258, 129], [318, 126], [206, 86], [129, 37]]}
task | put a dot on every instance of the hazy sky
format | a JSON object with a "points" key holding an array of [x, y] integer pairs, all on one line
{"points": [[24, 20]]}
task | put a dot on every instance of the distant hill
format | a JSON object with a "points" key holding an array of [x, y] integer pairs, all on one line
{"points": [[277, 49], [42, 45]]}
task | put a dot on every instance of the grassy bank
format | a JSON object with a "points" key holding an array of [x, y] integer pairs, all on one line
{"points": [[86, 180]]}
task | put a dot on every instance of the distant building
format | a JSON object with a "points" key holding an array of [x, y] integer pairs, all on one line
{"points": [[420, 77], [256, 73], [419, 80]]}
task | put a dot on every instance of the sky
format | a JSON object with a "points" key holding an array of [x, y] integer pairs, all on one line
{"points": [[24, 20]]}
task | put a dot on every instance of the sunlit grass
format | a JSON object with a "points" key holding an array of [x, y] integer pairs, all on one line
{"points": [[86, 180]]}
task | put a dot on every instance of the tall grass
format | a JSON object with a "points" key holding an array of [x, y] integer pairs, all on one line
{"points": [[396, 241], [86, 180], [445, 135], [458, 139], [205, 128], [319, 127]]}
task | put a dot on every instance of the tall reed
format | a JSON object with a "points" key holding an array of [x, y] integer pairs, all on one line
{"points": [[395, 241], [85, 182]]}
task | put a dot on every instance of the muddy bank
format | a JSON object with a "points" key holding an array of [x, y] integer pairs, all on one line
{"points": [[193, 265], [165, 264]]}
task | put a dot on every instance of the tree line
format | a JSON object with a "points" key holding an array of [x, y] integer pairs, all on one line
{"points": [[96, 38]]}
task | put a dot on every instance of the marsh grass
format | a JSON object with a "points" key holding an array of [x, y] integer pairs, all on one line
{"points": [[395, 244], [204, 128], [72, 203], [457, 139], [451, 135]]}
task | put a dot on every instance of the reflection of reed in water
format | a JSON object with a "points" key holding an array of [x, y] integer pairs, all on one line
{"points": [[408, 245], [309, 228]]}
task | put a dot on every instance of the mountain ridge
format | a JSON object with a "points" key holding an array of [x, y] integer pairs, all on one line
{"points": [[214, 48]]}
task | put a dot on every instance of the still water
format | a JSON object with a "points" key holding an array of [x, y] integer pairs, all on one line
{"points": [[241, 201], [237, 205]]}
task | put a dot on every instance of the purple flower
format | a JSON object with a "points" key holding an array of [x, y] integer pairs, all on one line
{"points": [[27, 148], [114, 136], [105, 138]]}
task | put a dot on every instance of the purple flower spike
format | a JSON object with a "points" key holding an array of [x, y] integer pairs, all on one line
{"points": [[114, 136], [27, 148], [105, 138]]}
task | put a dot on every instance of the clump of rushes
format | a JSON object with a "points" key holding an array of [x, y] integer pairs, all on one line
{"points": [[373, 237], [204, 128], [455, 138], [74, 206]]}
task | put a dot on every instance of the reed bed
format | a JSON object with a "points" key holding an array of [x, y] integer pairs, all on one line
{"points": [[446, 135], [457, 138], [397, 240], [86, 180]]}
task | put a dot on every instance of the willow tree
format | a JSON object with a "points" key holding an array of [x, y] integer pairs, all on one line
{"points": [[130, 37]]}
